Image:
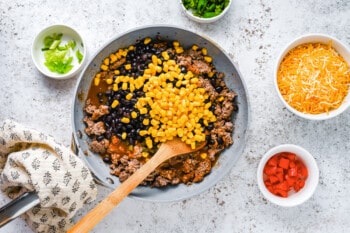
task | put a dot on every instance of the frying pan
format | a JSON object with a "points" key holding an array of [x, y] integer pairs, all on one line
{"points": [[233, 80]]}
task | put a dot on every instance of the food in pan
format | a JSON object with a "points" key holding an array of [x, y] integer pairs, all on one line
{"points": [[151, 92]]}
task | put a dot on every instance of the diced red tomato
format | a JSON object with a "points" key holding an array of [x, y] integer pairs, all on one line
{"points": [[292, 171], [273, 179], [283, 163], [272, 161], [284, 172]]}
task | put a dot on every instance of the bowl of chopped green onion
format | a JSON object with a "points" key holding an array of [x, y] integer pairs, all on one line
{"points": [[205, 11], [58, 52]]}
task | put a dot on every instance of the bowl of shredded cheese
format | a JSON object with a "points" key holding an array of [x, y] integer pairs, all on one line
{"points": [[312, 77]]}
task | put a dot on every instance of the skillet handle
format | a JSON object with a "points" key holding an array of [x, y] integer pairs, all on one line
{"points": [[18, 206]]}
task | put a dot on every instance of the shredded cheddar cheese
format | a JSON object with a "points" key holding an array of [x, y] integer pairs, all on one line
{"points": [[313, 78]]}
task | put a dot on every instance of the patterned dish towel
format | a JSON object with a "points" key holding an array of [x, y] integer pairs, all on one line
{"points": [[33, 161]]}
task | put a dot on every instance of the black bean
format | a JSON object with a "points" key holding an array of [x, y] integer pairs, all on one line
{"points": [[219, 89], [210, 127], [220, 141], [107, 159], [100, 138]]}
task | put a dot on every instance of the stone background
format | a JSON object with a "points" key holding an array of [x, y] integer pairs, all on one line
{"points": [[253, 33]]}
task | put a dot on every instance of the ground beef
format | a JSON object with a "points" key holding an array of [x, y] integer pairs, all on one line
{"points": [[203, 168], [99, 147], [118, 63], [205, 83], [94, 128]]}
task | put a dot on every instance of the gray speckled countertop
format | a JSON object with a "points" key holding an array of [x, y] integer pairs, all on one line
{"points": [[253, 34]]}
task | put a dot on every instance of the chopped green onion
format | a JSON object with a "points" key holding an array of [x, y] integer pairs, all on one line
{"points": [[79, 56], [57, 56]]}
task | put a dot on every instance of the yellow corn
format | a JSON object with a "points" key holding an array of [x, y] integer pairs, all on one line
{"points": [[208, 59], [204, 51], [143, 110], [127, 66], [97, 81], [165, 55], [149, 142], [104, 67], [179, 50], [106, 61], [144, 154], [115, 87], [109, 81], [143, 133], [133, 114], [115, 103], [195, 47], [145, 122], [125, 86], [125, 120], [124, 134], [112, 57], [147, 40], [128, 96]]}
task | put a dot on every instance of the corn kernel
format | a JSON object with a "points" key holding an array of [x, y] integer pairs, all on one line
{"points": [[220, 99], [106, 61], [133, 114], [149, 142], [125, 86], [97, 81], [145, 121], [115, 87], [125, 120], [116, 72], [154, 122], [204, 51], [179, 50], [165, 55], [143, 110], [128, 96], [127, 66], [115, 103], [204, 155], [124, 134], [109, 81], [144, 154], [208, 59], [112, 57], [104, 67], [176, 44], [195, 47], [131, 48], [143, 133], [147, 40]]}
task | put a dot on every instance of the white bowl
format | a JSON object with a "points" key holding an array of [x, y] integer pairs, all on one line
{"points": [[68, 34], [294, 198], [198, 19], [314, 38]]}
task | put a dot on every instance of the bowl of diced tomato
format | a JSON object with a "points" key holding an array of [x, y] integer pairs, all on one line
{"points": [[287, 175]]}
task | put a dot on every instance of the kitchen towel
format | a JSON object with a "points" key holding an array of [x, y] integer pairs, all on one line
{"points": [[34, 161]]}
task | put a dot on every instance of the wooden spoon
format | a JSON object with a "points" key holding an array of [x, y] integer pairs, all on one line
{"points": [[166, 151]]}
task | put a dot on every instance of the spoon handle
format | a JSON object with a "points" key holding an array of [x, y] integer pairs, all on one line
{"points": [[94, 216]]}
